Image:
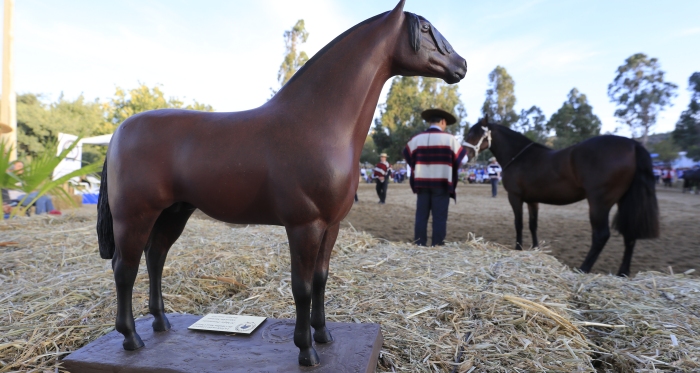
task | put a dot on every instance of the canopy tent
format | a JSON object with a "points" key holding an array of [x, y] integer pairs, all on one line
{"points": [[73, 161], [96, 140]]}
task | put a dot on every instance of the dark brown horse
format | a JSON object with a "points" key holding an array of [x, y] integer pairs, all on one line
{"points": [[605, 170], [291, 162]]}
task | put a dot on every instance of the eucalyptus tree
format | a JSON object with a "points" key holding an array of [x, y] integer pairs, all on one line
{"points": [[640, 93]]}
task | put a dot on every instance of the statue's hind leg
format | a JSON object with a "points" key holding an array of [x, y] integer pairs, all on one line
{"points": [[131, 233], [165, 232], [318, 314], [304, 244]]}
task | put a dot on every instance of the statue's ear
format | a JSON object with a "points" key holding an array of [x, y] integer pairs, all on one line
{"points": [[398, 10]]}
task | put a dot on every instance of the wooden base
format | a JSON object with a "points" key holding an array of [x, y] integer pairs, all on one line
{"points": [[270, 348]]}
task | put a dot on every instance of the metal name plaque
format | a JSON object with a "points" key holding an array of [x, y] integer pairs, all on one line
{"points": [[217, 322]]}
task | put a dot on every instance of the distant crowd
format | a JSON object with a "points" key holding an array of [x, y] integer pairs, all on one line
{"points": [[669, 176]]}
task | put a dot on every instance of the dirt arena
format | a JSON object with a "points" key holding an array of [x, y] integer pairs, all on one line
{"points": [[565, 230]]}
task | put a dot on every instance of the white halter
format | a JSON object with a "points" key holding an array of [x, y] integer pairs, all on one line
{"points": [[486, 135]]}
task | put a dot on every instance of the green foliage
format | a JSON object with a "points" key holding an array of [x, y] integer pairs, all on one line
{"points": [[574, 121], [369, 152], [38, 124], [533, 124], [500, 98], [125, 104], [687, 131], [400, 116], [666, 149], [640, 93], [36, 175], [8, 179], [293, 59]]}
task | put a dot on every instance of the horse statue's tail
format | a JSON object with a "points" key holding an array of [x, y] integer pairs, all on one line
{"points": [[105, 230], [638, 211]]}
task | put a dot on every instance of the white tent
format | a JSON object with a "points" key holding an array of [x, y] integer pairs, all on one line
{"points": [[97, 140], [683, 161], [73, 160]]}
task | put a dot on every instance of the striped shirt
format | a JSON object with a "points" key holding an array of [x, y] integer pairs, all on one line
{"points": [[381, 170], [494, 170], [435, 157]]}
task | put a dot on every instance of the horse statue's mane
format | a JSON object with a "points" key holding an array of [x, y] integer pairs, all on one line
{"points": [[413, 34]]}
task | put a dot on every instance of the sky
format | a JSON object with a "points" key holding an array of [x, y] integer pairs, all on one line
{"points": [[227, 53]]}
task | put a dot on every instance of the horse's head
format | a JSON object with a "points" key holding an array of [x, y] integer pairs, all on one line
{"points": [[478, 138], [423, 51]]}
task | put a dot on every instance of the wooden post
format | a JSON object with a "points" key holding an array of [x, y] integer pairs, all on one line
{"points": [[8, 101]]}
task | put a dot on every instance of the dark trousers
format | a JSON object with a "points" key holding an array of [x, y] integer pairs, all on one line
{"points": [[435, 201], [494, 187], [381, 188]]}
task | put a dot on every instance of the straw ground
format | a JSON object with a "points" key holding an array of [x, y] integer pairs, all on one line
{"points": [[470, 306]]}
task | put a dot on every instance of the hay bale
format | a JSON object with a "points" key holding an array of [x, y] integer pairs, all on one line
{"points": [[466, 307]]}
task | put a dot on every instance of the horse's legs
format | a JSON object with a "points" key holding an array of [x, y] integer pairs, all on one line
{"points": [[517, 204], [130, 237], [532, 209], [627, 259], [318, 314], [601, 232], [165, 232], [304, 244]]}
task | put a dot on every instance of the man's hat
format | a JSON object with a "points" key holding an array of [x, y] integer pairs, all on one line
{"points": [[383, 155], [432, 113], [4, 128], [492, 159]]}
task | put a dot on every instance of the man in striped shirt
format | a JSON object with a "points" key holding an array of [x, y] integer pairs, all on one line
{"points": [[434, 157], [382, 174]]}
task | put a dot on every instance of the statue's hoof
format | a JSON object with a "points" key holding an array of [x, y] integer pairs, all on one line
{"points": [[133, 342], [322, 335], [161, 324], [308, 357]]}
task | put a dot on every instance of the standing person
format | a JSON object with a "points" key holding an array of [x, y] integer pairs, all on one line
{"points": [[494, 171], [434, 157], [382, 173]]}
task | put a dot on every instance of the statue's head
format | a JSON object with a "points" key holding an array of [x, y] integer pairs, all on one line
{"points": [[423, 51]]}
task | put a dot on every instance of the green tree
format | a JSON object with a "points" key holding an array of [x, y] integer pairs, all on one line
{"points": [[533, 124], [293, 59], [666, 149], [400, 118], [38, 124], [500, 98], [369, 152], [640, 93], [124, 104], [687, 131], [574, 121]]}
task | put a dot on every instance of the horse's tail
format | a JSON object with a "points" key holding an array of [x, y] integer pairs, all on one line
{"points": [[105, 230], [638, 211]]}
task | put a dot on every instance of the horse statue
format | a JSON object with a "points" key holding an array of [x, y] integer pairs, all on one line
{"points": [[291, 162], [605, 170]]}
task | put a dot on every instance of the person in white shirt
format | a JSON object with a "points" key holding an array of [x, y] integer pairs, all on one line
{"points": [[494, 170]]}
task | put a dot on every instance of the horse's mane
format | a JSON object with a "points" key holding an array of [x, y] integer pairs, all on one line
{"points": [[513, 133], [330, 45], [413, 29]]}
